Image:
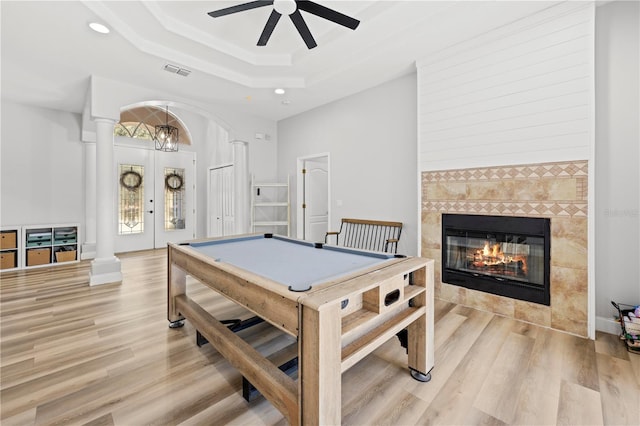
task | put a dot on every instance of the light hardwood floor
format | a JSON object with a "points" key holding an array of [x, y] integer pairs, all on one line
{"points": [[74, 354]]}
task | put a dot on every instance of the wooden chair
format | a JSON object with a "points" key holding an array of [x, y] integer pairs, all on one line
{"points": [[365, 234]]}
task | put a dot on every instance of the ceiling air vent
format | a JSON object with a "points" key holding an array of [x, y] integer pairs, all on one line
{"points": [[177, 70]]}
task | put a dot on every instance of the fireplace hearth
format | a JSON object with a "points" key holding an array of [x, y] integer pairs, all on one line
{"points": [[503, 255]]}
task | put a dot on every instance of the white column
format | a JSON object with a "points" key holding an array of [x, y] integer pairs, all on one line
{"points": [[241, 186], [89, 244], [106, 266]]}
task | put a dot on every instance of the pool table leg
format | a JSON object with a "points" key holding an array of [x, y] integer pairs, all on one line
{"points": [[319, 369], [176, 286], [420, 341]]}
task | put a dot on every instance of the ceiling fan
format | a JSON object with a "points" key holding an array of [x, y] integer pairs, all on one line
{"points": [[291, 8]]}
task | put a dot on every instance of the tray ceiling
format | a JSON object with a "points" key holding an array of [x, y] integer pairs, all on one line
{"points": [[49, 53]]}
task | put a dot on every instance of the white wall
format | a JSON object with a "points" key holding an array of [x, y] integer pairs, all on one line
{"points": [[42, 160], [475, 97], [371, 138], [211, 142], [522, 93], [42, 176], [618, 158]]}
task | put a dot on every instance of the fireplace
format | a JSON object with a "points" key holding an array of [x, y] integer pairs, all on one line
{"points": [[503, 255]]}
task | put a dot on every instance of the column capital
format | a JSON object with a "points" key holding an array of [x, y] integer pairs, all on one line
{"points": [[105, 120]]}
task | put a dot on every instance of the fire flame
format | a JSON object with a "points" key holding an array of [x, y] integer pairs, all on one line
{"points": [[493, 251], [493, 255]]}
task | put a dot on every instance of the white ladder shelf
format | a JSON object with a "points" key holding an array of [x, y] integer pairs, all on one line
{"points": [[270, 207]]}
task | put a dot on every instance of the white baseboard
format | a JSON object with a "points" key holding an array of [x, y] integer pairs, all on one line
{"points": [[88, 255], [608, 325], [105, 271], [88, 251]]}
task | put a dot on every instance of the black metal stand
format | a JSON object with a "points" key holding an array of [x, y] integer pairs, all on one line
{"points": [[249, 392], [402, 335], [234, 325]]}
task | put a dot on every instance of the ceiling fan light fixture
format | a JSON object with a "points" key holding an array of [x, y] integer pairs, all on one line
{"points": [[285, 7]]}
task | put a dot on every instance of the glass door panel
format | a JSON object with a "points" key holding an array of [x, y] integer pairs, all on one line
{"points": [[174, 198], [174, 190], [133, 199]]}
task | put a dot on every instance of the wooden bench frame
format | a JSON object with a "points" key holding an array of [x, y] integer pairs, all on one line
{"points": [[375, 235]]}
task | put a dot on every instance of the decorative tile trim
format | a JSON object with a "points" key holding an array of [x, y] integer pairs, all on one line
{"points": [[530, 208], [581, 188], [576, 170], [571, 169]]}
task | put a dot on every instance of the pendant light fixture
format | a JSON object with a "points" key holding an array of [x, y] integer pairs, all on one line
{"points": [[166, 137]]}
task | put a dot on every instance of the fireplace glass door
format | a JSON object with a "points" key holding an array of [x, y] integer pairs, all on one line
{"points": [[503, 255]]}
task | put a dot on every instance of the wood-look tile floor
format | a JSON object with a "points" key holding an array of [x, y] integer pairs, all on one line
{"points": [[74, 354]]}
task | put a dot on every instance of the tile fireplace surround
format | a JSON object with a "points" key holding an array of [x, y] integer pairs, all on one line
{"points": [[554, 190]]}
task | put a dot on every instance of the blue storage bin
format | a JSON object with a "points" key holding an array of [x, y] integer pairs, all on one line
{"points": [[37, 238], [65, 236]]}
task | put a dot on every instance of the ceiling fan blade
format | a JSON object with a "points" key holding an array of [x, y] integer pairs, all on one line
{"points": [[268, 28], [240, 8], [326, 13], [298, 21]]}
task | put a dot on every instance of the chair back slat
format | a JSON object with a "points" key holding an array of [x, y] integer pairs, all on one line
{"points": [[371, 235]]}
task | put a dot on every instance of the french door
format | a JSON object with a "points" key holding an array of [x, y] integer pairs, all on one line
{"points": [[154, 198]]}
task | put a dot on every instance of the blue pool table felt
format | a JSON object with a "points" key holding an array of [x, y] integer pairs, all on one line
{"points": [[297, 264]]}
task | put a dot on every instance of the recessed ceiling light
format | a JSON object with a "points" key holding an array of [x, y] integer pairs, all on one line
{"points": [[279, 91], [99, 28]]}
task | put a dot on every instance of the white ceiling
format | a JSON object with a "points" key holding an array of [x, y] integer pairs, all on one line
{"points": [[48, 51]]}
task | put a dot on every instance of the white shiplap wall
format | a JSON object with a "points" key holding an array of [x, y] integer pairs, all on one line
{"points": [[522, 93]]}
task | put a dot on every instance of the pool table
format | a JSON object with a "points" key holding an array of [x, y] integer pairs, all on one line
{"points": [[339, 303]]}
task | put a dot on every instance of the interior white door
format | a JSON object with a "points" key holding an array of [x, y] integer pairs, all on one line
{"points": [[134, 199], [316, 199], [221, 218], [174, 197]]}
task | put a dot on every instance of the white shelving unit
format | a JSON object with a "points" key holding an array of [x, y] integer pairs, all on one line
{"points": [[270, 207], [50, 245], [10, 252]]}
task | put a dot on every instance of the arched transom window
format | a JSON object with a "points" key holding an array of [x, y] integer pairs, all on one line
{"points": [[140, 122]]}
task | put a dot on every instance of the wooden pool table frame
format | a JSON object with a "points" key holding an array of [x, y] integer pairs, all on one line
{"points": [[331, 337]]}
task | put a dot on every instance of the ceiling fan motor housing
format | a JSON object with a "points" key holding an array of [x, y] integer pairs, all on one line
{"points": [[285, 7]]}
